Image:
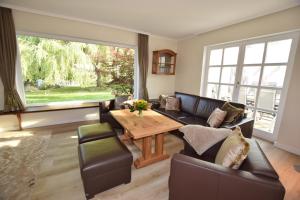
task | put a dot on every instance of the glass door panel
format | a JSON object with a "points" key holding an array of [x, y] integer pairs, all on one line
{"points": [[265, 121], [226, 92], [261, 84], [247, 96], [231, 56], [273, 76], [278, 51], [268, 99], [212, 91], [252, 73], [216, 57], [221, 75], [254, 53], [228, 75], [214, 74]]}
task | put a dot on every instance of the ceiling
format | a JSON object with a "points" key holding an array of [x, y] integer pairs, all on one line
{"points": [[170, 18]]}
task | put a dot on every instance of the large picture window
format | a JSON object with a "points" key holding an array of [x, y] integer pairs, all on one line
{"points": [[57, 70], [252, 72]]}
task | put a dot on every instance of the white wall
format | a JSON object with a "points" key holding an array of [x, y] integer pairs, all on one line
{"points": [[189, 69], [160, 84], [28, 22]]}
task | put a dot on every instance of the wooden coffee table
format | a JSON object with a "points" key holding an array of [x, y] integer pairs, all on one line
{"points": [[144, 128]]}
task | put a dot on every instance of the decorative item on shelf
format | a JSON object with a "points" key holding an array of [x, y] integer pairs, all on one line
{"points": [[164, 62], [297, 168], [139, 105]]}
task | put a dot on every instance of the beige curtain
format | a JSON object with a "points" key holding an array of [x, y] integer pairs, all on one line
{"points": [[143, 55], [8, 53]]}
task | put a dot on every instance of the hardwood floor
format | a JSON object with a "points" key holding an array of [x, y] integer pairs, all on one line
{"points": [[59, 176]]}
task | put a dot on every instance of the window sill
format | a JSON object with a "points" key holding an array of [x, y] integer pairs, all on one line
{"points": [[60, 106]]}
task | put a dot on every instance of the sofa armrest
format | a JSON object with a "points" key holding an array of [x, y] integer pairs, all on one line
{"points": [[195, 179], [106, 106], [246, 125], [155, 103]]}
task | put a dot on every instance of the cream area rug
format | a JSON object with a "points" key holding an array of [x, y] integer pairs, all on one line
{"points": [[21, 153]]}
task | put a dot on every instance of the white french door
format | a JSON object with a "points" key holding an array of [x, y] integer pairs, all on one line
{"points": [[253, 72]]}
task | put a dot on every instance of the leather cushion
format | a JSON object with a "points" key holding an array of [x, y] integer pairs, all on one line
{"points": [[102, 156], [172, 113], [94, 132], [188, 102], [207, 105], [257, 163], [193, 120], [209, 155]]}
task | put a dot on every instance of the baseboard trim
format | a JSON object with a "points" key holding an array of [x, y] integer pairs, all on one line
{"points": [[288, 148]]}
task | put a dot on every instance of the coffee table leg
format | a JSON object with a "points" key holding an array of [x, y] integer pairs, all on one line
{"points": [[126, 137], [147, 156], [147, 148], [159, 144], [159, 147]]}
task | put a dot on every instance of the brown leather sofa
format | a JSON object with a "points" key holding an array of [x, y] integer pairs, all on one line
{"points": [[196, 177], [196, 110], [113, 104]]}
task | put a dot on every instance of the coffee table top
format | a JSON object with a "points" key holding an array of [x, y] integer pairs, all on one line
{"points": [[151, 123]]}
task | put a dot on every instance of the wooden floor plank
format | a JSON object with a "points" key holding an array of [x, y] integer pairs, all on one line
{"points": [[59, 176]]}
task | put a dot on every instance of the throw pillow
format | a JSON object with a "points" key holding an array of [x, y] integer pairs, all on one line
{"points": [[172, 103], [129, 103], [233, 113], [119, 101], [233, 151], [201, 138], [162, 100], [216, 118]]}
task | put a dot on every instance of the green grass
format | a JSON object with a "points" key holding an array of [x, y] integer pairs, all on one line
{"points": [[67, 94]]}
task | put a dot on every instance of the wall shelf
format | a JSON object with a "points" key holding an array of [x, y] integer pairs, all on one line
{"points": [[164, 62]]}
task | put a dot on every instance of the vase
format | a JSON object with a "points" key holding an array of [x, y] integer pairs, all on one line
{"points": [[140, 113]]}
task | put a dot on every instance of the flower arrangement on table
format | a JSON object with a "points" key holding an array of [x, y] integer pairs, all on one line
{"points": [[139, 105]]}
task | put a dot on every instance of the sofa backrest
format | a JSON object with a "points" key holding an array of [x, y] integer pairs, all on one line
{"points": [[188, 102], [201, 106], [207, 105]]}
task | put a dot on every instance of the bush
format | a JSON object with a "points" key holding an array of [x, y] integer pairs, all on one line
{"points": [[30, 88], [119, 90]]}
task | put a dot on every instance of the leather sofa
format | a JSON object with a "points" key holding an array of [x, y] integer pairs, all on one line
{"points": [[196, 177], [196, 110], [113, 104]]}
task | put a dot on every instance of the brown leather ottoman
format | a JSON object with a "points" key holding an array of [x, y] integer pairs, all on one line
{"points": [[104, 164], [92, 132]]}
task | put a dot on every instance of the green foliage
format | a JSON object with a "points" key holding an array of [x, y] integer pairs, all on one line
{"points": [[121, 89], [67, 94], [139, 105], [60, 63]]}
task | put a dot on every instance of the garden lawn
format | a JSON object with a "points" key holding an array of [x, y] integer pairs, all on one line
{"points": [[67, 94]]}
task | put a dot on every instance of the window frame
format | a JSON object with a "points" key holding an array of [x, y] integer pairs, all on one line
{"points": [[82, 40], [294, 35]]}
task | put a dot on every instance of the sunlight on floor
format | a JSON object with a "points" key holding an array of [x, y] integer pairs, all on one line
{"points": [[74, 137], [11, 143], [15, 134], [30, 123], [91, 116]]}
